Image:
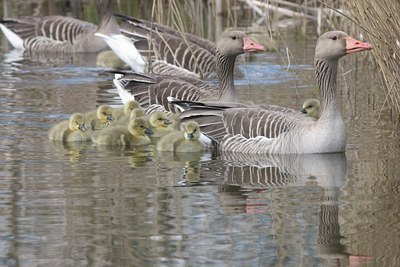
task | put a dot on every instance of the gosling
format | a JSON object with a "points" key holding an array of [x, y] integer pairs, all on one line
{"points": [[73, 130], [125, 111], [136, 113], [100, 118], [136, 134], [159, 123], [186, 140], [311, 108]]}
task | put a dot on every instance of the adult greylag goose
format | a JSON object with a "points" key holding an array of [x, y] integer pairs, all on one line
{"points": [[59, 33], [150, 90], [162, 50], [276, 130], [135, 134], [73, 130], [311, 107], [186, 140]]}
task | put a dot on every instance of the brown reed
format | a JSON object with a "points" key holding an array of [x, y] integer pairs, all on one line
{"points": [[380, 22]]}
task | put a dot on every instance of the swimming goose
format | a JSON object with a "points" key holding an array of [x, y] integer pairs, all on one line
{"points": [[60, 34], [135, 134], [100, 118], [186, 140], [153, 90], [311, 108], [160, 124], [73, 130], [276, 130], [151, 47]]}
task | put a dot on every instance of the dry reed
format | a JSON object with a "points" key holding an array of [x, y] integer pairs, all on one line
{"points": [[381, 24]]}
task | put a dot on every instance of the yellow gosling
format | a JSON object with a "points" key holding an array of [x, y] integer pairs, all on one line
{"points": [[136, 113], [135, 134], [73, 130], [100, 118], [311, 107], [109, 59], [159, 123], [125, 111], [186, 140]]}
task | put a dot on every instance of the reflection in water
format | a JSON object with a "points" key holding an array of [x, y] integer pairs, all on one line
{"points": [[260, 174]]}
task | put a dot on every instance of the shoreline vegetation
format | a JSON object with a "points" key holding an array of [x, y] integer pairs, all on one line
{"points": [[376, 21]]}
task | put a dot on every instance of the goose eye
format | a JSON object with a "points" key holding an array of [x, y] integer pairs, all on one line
{"points": [[309, 107], [195, 130], [334, 37], [234, 37]]}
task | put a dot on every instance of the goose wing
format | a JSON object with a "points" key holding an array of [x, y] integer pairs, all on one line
{"points": [[220, 120], [59, 28], [155, 90]]}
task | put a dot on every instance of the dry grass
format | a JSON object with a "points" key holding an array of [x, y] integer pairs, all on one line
{"points": [[381, 24]]}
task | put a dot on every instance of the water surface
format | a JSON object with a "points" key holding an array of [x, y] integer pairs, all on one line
{"points": [[80, 205]]}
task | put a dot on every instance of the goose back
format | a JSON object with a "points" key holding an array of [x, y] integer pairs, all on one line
{"points": [[171, 52], [62, 34]]}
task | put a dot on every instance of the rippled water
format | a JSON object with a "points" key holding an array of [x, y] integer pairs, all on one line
{"points": [[78, 205]]}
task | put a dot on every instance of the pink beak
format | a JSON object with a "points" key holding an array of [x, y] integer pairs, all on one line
{"points": [[353, 45], [251, 46]]}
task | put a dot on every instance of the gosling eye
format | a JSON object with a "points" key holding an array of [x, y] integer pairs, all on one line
{"points": [[104, 113], [309, 107], [234, 37], [195, 130], [334, 37]]}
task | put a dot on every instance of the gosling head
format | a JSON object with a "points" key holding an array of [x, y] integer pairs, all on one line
{"points": [[192, 130], [311, 108], [139, 127], [136, 113], [159, 120], [131, 105], [104, 113], [77, 122]]}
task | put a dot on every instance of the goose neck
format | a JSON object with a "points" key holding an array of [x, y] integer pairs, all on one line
{"points": [[326, 72], [225, 68], [107, 21]]}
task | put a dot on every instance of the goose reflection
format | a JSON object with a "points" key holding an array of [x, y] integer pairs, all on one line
{"points": [[264, 183]]}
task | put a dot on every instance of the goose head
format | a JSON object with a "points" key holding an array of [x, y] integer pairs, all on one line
{"points": [[139, 127], [130, 105], [311, 108], [335, 44], [104, 113], [77, 122], [159, 120], [236, 42], [192, 131], [136, 113]]}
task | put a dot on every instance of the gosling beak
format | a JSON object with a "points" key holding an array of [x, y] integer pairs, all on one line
{"points": [[82, 127], [148, 131], [250, 46], [110, 117], [303, 110], [353, 45], [190, 136]]}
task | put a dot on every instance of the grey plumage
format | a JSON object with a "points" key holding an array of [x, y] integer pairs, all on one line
{"points": [[63, 34]]}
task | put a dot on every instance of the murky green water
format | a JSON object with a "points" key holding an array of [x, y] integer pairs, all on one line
{"points": [[71, 205]]}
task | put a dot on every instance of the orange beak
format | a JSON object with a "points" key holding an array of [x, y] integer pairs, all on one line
{"points": [[251, 46], [353, 45]]}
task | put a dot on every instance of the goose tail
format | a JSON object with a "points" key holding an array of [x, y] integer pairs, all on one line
{"points": [[12, 37], [125, 50], [123, 94]]}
